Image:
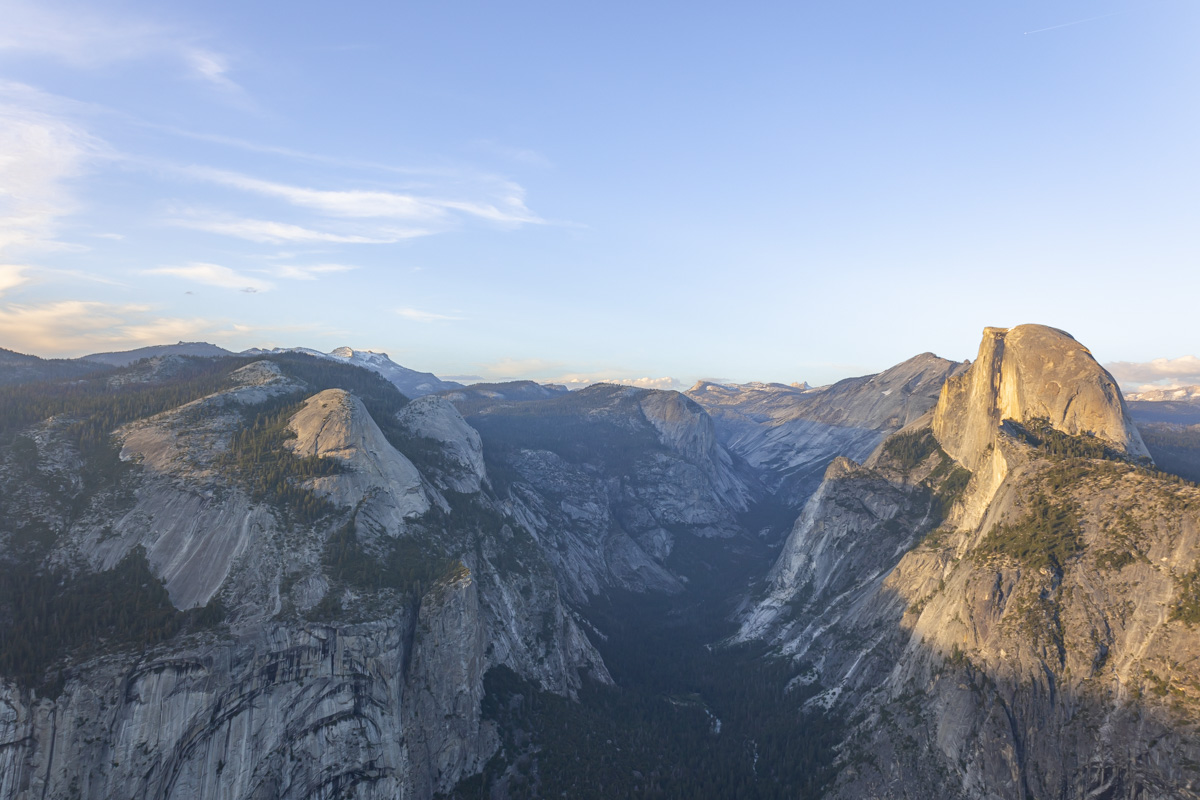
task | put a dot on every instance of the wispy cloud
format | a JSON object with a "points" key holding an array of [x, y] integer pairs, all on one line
{"points": [[40, 151], [519, 155], [308, 273], [416, 315], [11, 276], [1157, 373], [272, 232], [214, 275], [352, 216], [1070, 24], [212, 67], [82, 37], [77, 36], [454, 177], [509, 207]]}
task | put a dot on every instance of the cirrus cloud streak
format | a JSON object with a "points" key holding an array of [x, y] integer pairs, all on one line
{"points": [[214, 275], [417, 315]]}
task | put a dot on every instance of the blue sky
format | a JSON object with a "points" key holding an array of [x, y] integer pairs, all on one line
{"points": [[576, 191]]}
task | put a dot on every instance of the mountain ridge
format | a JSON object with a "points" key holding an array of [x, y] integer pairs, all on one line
{"points": [[985, 589], [790, 435], [990, 613]]}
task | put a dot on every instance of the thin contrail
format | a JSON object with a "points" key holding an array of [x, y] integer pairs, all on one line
{"points": [[1069, 24]]}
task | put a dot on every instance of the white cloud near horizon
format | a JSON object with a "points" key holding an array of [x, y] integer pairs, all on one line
{"points": [[77, 327], [583, 380], [520, 369], [543, 371], [417, 315], [214, 275], [1158, 373]]}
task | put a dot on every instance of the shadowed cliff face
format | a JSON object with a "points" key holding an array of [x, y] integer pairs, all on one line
{"points": [[616, 480], [1021, 630], [789, 435], [1047, 653], [364, 593], [1171, 430]]}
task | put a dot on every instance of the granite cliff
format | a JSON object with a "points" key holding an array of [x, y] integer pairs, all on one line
{"points": [[276, 576], [612, 479], [1001, 597], [328, 608], [788, 435]]}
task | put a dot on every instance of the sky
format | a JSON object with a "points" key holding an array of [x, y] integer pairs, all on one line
{"points": [[570, 192]]}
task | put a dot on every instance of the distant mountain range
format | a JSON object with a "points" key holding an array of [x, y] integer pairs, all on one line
{"points": [[410, 382], [16, 368], [790, 434], [124, 358], [1179, 394]]}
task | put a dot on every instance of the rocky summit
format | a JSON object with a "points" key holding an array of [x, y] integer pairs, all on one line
{"points": [[1001, 597], [279, 574], [1026, 374]]}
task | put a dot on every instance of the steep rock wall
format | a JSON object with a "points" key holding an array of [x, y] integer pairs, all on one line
{"points": [[1026, 373], [1036, 643]]}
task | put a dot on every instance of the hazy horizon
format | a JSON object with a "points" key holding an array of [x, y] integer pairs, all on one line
{"points": [[1132, 377]]}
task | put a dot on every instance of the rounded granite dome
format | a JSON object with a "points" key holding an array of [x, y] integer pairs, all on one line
{"points": [[1026, 373]]}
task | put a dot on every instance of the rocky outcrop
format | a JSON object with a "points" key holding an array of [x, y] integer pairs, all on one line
{"points": [[1032, 677], [460, 467], [824, 570], [612, 480], [686, 430], [1029, 373], [335, 425], [410, 382], [193, 524], [789, 435], [1019, 631], [330, 676], [374, 710]]}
